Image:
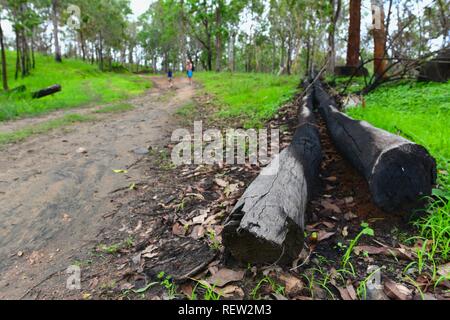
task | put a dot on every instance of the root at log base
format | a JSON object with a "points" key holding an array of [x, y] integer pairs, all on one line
{"points": [[398, 171]]}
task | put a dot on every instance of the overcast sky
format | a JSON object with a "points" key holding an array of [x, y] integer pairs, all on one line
{"points": [[140, 6]]}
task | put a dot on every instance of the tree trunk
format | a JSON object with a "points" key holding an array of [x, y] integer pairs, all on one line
{"points": [[82, 45], [231, 51], [399, 172], [100, 53], [33, 57], [267, 224], [308, 56], [379, 36], [209, 59], [4, 66], [336, 11], [354, 34], [58, 56], [18, 69], [219, 37]]}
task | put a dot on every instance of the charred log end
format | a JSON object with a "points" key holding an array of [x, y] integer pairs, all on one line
{"points": [[246, 246], [402, 176]]}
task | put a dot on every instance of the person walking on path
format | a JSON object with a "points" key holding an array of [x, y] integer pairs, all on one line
{"points": [[170, 77], [190, 70]]}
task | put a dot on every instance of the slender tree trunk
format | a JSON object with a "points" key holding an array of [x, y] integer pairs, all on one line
{"points": [[219, 37], [100, 52], [82, 45], [289, 57], [308, 56], [232, 52], [4, 67], [379, 36], [58, 56], [18, 50], [33, 58], [336, 11], [354, 34]]}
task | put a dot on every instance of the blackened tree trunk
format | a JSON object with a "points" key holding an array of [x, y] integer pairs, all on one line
{"points": [[354, 34]]}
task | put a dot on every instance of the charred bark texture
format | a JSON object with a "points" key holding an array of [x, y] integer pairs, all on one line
{"points": [[46, 92], [267, 224], [399, 172]]}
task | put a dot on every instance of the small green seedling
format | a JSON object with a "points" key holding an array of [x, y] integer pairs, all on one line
{"points": [[365, 231]]}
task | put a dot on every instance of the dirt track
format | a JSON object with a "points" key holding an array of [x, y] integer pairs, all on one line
{"points": [[54, 202]]}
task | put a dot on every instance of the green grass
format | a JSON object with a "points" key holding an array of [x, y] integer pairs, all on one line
{"points": [[252, 98], [419, 112], [187, 110], [116, 108], [82, 84], [22, 134]]}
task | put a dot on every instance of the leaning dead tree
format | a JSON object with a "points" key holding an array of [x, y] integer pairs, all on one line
{"points": [[399, 172], [267, 224]]}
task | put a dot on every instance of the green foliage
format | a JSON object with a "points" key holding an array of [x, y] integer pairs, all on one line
{"points": [[167, 282], [252, 98], [365, 231], [274, 286], [187, 110], [116, 247], [82, 84], [214, 243], [210, 292]]}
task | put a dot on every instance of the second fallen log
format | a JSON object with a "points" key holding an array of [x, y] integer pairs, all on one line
{"points": [[46, 92], [399, 172], [267, 224]]}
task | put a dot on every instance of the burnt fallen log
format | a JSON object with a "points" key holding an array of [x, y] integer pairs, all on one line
{"points": [[267, 224], [19, 89], [46, 92], [438, 69], [399, 172]]}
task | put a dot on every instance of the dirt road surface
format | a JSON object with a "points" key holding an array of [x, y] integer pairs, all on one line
{"points": [[54, 202]]}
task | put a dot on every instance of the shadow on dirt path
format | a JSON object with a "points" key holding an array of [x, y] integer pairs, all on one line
{"points": [[54, 202]]}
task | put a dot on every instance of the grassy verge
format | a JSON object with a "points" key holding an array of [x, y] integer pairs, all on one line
{"points": [[22, 134], [253, 98], [82, 84], [420, 112]]}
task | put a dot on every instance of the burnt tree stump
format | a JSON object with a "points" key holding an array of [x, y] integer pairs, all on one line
{"points": [[267, 224], [399, 172]]}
